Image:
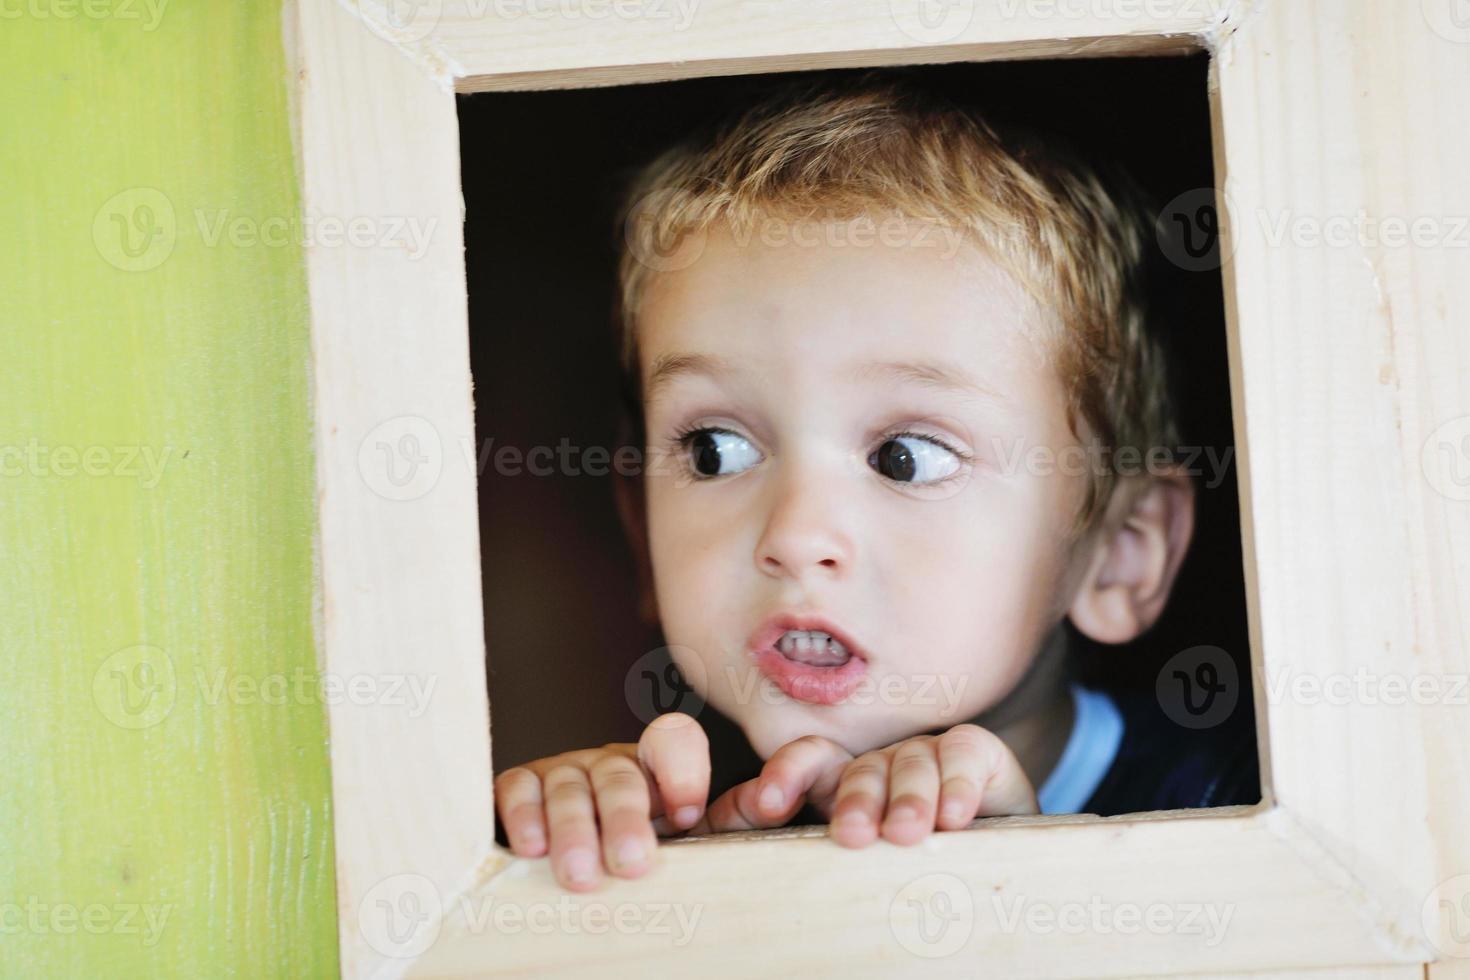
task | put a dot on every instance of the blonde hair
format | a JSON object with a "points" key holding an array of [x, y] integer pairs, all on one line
{"points": [[879, 144]]}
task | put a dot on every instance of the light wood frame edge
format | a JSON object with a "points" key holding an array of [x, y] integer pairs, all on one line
{"points": [[377, 135]]}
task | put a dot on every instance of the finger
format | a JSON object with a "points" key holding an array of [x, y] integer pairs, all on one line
{"points": [[620, 790], [962, 767], [971, 754], [1004, 788], [576, 757], [861, 793], [797, 770], [913, 792], [518, 800], [735, 809], [806, 769], [572, 826], [675, 750]]}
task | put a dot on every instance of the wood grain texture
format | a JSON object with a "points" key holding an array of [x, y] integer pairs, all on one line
{"points": [[1231, 889], [1348, 377], [1338, 123], [400, 560], [1414, 972], [487, 45], [166, 804]]}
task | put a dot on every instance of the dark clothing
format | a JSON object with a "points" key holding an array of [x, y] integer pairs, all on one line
{"points": [[1162, 765]]}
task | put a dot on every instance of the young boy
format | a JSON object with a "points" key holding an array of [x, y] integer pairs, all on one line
{"points": [[872, 370]]}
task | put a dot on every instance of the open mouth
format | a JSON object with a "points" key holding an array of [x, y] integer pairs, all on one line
{"points": [[813, 647], [808, 658]]}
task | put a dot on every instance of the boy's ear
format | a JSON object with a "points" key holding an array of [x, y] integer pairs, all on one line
{"points": [[633, 513], [1134, 559]]}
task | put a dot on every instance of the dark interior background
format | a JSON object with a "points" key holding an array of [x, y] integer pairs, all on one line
{"points": [[541, 173]]}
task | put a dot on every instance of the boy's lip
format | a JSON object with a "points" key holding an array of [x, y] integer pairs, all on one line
{"points": [[771, 629], [805, 682]]}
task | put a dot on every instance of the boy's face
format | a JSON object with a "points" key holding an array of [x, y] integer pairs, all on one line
{"points": [[825, 489]]}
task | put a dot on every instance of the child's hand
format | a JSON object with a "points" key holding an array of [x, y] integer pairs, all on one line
{"points": [[621, 786], [959, 775], [805, 769], [924, 782]]}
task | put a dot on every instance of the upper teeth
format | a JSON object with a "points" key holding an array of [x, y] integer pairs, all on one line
{"points": [[809, 640]]}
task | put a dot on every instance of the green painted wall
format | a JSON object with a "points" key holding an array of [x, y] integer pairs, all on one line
{"points": [[165, 808]]}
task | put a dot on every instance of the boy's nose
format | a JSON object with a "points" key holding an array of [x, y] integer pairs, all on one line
{"points": [[804, 532]]}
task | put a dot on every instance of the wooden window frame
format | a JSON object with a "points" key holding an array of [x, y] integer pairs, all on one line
{"points": [[1336, 867]]}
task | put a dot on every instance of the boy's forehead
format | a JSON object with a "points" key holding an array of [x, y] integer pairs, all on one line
{"points": [[668, 368], [951, 314], [798, 248]]}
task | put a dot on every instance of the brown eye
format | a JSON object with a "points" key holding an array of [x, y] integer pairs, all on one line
{"points": [[719, 452], [893, 460], [913, 459]]}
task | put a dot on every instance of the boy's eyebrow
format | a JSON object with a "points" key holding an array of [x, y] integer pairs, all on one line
{"points": [[942, 377], [670, 366]]}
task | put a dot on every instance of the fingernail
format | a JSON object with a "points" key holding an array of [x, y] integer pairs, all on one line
{"points": [[579, 866], [904, 812], [952, 810], [630, 852], [852, 818], [686, 815]]}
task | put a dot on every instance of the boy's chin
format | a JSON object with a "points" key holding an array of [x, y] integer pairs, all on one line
{"points": [[778, 726]]}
